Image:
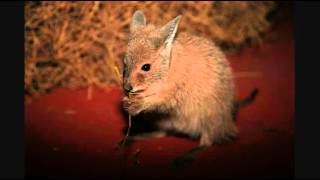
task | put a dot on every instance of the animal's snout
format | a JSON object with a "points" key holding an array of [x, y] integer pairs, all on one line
{"points": [[127, 87]]}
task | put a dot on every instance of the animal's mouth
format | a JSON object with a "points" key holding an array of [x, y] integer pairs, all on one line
{"points": [[133, 92], [134, 95], [134, 102]]}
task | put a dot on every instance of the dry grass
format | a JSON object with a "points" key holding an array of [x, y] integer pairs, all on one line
{"points": [[80, 44]]}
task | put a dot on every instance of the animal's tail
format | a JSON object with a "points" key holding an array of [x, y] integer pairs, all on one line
{"points": [[244, 102], [249, 99]]}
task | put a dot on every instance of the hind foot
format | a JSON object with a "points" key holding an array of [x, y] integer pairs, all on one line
{"points": [[187, 158]]}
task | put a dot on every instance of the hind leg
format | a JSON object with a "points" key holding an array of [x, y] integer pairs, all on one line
{"points": [[225, 135], [187, 157], [222, 132], [206, 140]]}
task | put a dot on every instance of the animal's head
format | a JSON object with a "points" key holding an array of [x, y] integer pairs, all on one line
{"points": [[148, 56]]}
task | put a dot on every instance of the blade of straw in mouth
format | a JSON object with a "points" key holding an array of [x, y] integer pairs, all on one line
{"points": [[129, 127]]}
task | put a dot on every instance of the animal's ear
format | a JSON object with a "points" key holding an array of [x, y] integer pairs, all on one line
{"points": [[138, 19], [168, 33]]}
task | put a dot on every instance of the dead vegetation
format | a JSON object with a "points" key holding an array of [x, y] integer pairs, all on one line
{"points": [[80, 44]]}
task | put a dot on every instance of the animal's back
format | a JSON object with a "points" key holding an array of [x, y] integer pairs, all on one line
{"points": [[203, 94]]}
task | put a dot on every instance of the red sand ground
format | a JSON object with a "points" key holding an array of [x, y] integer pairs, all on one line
{"points": [[69, 135]]}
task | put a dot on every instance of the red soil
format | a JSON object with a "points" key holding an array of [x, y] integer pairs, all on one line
{"points": [[69, 135]]}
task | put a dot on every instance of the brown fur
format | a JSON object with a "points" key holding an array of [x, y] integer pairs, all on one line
{"points": [[193, 84]]}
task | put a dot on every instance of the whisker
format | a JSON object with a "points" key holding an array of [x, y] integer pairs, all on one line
{"points": [[133, 93], [136, 92]]}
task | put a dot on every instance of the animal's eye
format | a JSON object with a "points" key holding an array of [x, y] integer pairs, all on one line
{"points": [[146, 67]]}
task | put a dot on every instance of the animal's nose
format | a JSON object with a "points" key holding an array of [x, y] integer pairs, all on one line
{"points": [[127, 87]]}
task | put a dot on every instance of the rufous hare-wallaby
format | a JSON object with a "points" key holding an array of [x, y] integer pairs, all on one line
{"points": [[186, 77]]}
